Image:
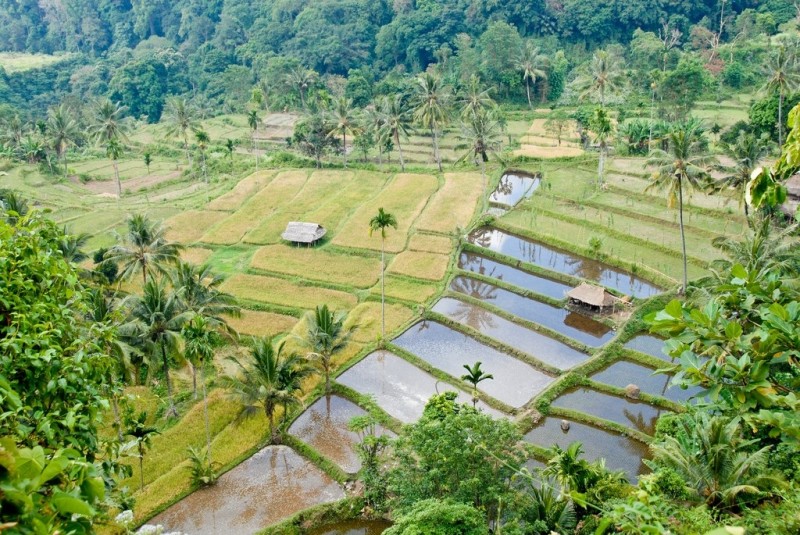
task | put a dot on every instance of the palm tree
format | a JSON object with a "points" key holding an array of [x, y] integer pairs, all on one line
{"points": [[765, 248], [602, 128], [475, 99], [343, 121], [148, 159], [783, 77], [604, 75], [684, 165], [302, 79], [431, 100], [63, 131], [712, 457], [267, 381], [141, 433], [747, 152], [568, 468], [481, 134], [202, 138], [325, 336], [156, 319], [71, 246], [532, 63], [200, 338], [144, 247], [474, 376], [109, 122], [180, 117], [252, 122], [381, 222], [114, 151], [13, 204], [397, 121]]}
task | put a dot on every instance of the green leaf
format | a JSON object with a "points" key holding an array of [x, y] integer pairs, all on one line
{"points": [[67, 504]]}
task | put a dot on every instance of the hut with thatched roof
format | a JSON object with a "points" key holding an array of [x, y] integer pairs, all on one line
{"points": [[593, 297], [307, 233], [792, 196]]}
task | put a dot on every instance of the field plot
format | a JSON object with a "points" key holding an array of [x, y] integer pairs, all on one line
{"points": [[454, 203], [406, 289], [241, 193], [537, 142], [285, 293], [429, 266], [318, 263], [258, 323], [196, 255], [19, 61], [404, 197], [365, 320], [190, 226], [430, 244]]}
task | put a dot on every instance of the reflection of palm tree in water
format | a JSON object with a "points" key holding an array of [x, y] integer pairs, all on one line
{"points": [[474, 316], [475, 288], [482, 236], [327, 429], [504, 187], [640, 423]]}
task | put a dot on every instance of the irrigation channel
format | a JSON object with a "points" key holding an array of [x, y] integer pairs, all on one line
{"points": [[511, 319]]}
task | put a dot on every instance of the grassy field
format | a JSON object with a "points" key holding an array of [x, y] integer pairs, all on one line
{"points": [[18, 61]]}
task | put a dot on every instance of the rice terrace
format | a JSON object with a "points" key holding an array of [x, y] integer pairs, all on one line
{"points": [[524, 282]]}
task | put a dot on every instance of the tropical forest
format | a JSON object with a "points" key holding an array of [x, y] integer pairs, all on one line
{"points": [[400, 267]]}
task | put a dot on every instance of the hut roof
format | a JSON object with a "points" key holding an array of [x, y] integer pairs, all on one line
{"points": [[592, 295], [299, 232]]}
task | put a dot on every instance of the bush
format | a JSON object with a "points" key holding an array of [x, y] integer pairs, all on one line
{"points": [[202, 473]]}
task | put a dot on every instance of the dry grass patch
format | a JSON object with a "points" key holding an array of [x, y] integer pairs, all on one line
{"points": [[196, 255], [404, 197], [429, 266], [318, 264], [190, 226], [414, 291], [258, 323], [430, 244], [285, 293], [281, 190], [453, 205], [365, 320], [533, 151], [246, 188]]}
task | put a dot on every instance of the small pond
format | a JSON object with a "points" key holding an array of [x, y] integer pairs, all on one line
{"points": [[353, 527], [544, 348], [619, 451], [268, 487], [634, 414], [490, 268], [399, 387], [513, 187], [555, 259], [324, 425], [648, 344], [572, 324], [514, 383], [623, 373]]}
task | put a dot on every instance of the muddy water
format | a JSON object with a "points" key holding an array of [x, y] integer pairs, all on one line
{"points": [[572, 324], [648, 344], [353, 527], [623, 373], [399, 388], [523, 279], [544, 348], [555, 259], [513, 187], [324, 425], [620, 452], [271, 485], [636, 415], [514, 383]]}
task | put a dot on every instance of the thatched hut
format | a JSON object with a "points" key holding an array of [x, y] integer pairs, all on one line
{"points": [[307, 233], [595, 298], [792, 196]]}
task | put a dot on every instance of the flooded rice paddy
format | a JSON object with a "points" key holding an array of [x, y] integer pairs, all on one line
{"points": [[271, 485], [634, 414], [399, 388], [623, 373], [490, 268], [561, 261], [572, 324], [514, 383], [513, 187], [620, 452], [648, 344], [545, 349], [353, 527]]}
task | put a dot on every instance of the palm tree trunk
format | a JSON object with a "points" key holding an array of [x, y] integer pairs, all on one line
{"points": [[747, 213], [383, 291], [273, 437], [194, 380], [485, 202], [327, 365], [115, 408], [171, 411], [119, 184], [601, 164], [344, 148], [253, 137], [436, 154], [400, 149], [205, 415], [141, 467], [683, 237], [780, 120], [528, 89], [65, 163]]}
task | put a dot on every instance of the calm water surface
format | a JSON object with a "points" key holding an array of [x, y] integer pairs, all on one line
{"points": [[490, 268], [555, 259], [513, 187], [514, 383], [648, 344], [634, 414], [623, 373]]}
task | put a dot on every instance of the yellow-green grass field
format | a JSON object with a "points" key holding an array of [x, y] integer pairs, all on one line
{"points": [[453, 205], [319, 263], [365, 320], [285, 292], [242, 191], [259, 323], [191, 225], [430, 243], [429, 266], [19, 61]]}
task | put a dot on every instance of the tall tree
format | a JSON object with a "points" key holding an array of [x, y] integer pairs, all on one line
{"points": [[475, 99], [474, 376], [747, 152], [180, 118], [397, 121], [202, 138], [480, 135], [252, 122], [62, 128], [532, 63], [144, 247], [302, 79], [325, 336], [683, 165], [343, 121], [431, 108], [603, 75], [114, 151], [200, 338], [602, 127], [109, 122], [379, 223], [783, 77]]}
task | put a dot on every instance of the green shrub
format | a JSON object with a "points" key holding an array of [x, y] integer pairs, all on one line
{"points": [[202, 473]]}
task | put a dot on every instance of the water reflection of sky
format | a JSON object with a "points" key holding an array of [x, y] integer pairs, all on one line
{"points": [[561, 261], [513, 187], [623, 373], [636, 415], [490, 268]]}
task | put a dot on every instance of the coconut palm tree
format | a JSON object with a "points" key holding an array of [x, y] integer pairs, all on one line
{"points": [[783, 77], [481, 136], [765, 248], [604, 75], [252, 122], [747, 152], [71, 246], [200, 338], [268, 380], [683, 165], [325, 336], [474, 376], [343, 121], [431, 101], [302, 79], [180, 118], [568, 469], [475, 99], [109, 122], [63, 131], [156, 319], [532, 63], [379, 223], [203, 139], [144, 247], [142, 434], [114, 151], [397, 121], [602, 128], [717, 463]]}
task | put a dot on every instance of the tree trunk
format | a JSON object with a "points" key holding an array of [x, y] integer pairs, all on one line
{"points": [[683, 237], [119, 184], [383, 292], [254, 149], [194, 380], [171, 411], [400, 149], [141, 467], [117, 421], [344, 148], [747, 213], [205, 415], [485, 202], [327, 365], [528, 89], [273, 437], [601, 164], [65, 163], [436, 154], [780, 120]]}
